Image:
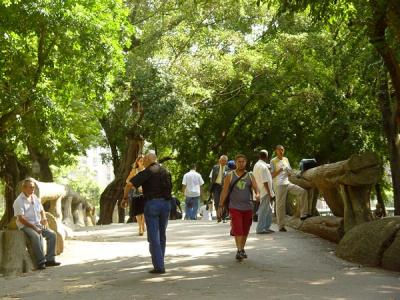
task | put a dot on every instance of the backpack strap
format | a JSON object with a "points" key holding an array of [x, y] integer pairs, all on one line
{"points": [[226, 203]]}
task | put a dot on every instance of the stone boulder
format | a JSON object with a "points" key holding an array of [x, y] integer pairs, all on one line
{"points": [[330, 228], [374, 243], [391, 257], [14, 256], [58, 229], [327, 227]]}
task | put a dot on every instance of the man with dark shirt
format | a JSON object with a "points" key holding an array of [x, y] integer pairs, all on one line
{"points": [[156, 184], [217, 176]]}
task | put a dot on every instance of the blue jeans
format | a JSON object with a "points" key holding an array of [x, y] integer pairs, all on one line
{"points": [[37, 244], [191, 207], [264, 214], [156, 213]]}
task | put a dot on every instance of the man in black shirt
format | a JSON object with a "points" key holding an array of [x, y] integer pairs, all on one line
{"points": [[217, 176], [156, 184]]}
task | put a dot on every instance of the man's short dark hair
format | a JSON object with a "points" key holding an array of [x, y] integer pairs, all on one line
{"points": [[240, 156], [193, 166]]}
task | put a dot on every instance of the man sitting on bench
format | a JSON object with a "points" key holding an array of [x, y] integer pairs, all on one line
{"points": [[31, 219]]}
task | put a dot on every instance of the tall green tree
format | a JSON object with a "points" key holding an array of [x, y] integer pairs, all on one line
{"points": [[380, 20], [59, 60]]}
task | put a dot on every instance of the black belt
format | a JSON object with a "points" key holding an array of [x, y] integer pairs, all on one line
{"points": [[156, 196]]}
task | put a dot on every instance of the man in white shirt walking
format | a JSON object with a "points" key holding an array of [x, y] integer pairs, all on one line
{"points": [[192, 181], [264, 183]]}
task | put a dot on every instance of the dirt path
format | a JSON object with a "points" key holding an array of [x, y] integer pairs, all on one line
{"points": [[111, 262]]}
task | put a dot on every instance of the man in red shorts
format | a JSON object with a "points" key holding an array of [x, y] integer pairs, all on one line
{"points": [[238, 186]]}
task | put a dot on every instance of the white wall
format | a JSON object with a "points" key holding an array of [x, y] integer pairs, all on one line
{"points": [[103, 173]]}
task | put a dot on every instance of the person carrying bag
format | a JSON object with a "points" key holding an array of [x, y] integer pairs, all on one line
{"points": [[237, 197]]}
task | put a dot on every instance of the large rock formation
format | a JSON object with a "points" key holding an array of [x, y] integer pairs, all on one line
{"points": [[346, 187], [77, 211], [375, 243], [51, 193]]}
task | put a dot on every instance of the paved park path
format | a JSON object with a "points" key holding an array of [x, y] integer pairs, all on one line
{"points": [[111, 262]]}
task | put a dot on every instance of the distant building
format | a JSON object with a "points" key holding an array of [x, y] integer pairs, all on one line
{"points": [[102, 172]]}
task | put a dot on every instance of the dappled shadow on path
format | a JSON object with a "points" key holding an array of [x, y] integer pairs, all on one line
{"points": [[111, 263]]}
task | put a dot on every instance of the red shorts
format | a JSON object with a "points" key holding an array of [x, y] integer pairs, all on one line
{"points": [[240, 221]]}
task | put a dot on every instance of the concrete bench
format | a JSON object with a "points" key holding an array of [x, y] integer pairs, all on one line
{"points": [[16, 255]]}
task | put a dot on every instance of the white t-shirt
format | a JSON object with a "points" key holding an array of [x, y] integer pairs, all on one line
{"points": [[283, 177], [205, 214], [262, 175], [192, 180], [30, 210]]}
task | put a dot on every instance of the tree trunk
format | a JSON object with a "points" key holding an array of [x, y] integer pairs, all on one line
{"points": [[379, 198], [382, 14], [387, 16], [113, 193], [109, 131], [12, 174], [393, 12], [107, 202], [45, 174], [391, 131]]}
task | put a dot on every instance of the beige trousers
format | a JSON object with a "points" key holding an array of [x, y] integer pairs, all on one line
{"points": [[281, 192]]}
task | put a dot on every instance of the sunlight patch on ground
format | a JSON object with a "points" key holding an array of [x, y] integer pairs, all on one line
{"points": [[163, 278], [397, 288], [353, 273], [198, 268], [139, 268], [79, 286], [320, 281], [72, 279], [73, 254], [176, 278]]}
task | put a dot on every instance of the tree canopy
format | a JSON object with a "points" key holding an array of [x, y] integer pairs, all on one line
{"points": [[198, 79]]}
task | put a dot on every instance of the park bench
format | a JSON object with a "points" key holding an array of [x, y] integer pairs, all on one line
{"points": [[16, 255]]}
